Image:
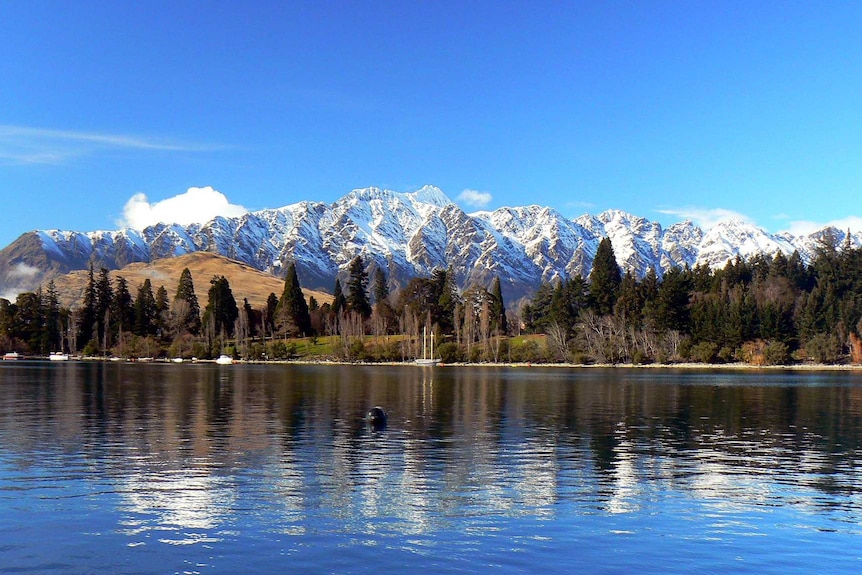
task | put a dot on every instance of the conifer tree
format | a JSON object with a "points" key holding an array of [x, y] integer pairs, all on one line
{"points": [[221, 311], [357, 286], [381, 288], [87, 318], [145, 310], [163, 311], [605, 279], [498, 308], [269, 314], [186, 305], [104, 298], [122, 308], [338, 300], [292, 311]]}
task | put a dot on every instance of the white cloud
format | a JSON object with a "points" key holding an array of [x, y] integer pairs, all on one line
{"points": [[805, 227], [29, 145], [22, 271], [197, 205], [475, 199], [706, 218]]}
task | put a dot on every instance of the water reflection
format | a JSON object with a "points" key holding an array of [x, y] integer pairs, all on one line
{"points": [[191, 449]]}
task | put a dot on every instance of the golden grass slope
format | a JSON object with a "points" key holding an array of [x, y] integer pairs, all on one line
{"points": [[245, 281]]}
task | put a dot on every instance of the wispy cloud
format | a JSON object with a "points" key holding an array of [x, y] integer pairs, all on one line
{"points": [[31, 145], [195, 206], [805, 227], [475, 198], [706, 218]]}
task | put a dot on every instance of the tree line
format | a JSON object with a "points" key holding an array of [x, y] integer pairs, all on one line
{"points": [[760, 310]]}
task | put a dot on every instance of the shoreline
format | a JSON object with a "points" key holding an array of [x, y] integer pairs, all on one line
{"points": [[514, 365]]}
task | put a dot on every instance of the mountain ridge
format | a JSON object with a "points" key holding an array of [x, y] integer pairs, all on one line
{"points": [[408, 234]]}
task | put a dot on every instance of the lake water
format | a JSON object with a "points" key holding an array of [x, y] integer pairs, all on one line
{"points": [[153, 468]]}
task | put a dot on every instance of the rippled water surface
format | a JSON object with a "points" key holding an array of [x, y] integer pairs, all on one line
{"points": [[120, 468]]}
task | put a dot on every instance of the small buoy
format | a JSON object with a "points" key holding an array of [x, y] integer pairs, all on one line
{"points": [[376, 417]]}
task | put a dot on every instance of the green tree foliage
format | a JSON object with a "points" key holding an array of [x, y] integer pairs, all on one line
{"points": [[87, 315], [357, 288], [498, 308], [221, 310], [269, 314], [605, 279], [104, 299], [380, 287], [339, 302], [146, 314], [291, 313], [122, 308], [185, 306]]}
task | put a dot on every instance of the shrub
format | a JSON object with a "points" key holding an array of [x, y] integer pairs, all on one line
{"points": [[703, 352], [450, 352]]}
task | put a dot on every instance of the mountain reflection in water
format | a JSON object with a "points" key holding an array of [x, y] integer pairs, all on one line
{"points": [[477, 466]]}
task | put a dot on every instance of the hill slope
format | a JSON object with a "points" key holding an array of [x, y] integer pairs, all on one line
{"points": [[245, 281]]}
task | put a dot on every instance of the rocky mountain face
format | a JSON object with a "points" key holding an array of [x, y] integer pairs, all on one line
{"points": [[408, 235]]}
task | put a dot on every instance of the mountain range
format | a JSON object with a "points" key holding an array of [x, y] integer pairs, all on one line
{"points": [[408, 235]]}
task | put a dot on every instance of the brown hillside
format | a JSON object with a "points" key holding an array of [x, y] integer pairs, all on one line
{"points": [[245, 281]]}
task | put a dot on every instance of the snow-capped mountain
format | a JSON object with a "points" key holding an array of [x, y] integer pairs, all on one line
{"points": [[408, 235]]}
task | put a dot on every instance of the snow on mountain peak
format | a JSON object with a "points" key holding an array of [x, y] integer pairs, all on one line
{"points": [[410, 234]]}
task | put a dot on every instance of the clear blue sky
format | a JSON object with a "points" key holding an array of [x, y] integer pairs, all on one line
{"points": [[657, 108]]}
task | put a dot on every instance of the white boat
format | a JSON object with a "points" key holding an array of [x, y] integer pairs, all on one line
{"points": [[177, 360], [224, 360], [58, 356], [427, 350], [11, 356]]}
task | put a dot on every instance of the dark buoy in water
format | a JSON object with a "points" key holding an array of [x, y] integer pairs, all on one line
{"points": [[376, 418]]}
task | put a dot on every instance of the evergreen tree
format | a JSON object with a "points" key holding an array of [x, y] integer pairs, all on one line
{"points": [[104, 299], [145, 310], [163, 311], [221, 311], [292, 311], [122, 308], [338, 300], [269, 314], [605, 279], [381, 287], [629, 304], [53, 332], [87, 317], [186, 305], [498, 308], [357, 286]]}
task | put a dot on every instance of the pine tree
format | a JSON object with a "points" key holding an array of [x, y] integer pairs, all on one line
{"points": [[186, 305], [605, 279], [163, 311], [338, 300], [357, 286], [629, 304], [104, 298], [498, 308], [145, 310], [122, 309], [381, 288], [87, 318], [292, 311], [221, 311], [269, 314]]}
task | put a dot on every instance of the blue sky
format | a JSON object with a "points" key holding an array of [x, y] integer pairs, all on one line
{"points": [[663, 109]]}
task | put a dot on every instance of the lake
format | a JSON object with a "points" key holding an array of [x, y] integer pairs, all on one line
{"points": [[192, 468]]}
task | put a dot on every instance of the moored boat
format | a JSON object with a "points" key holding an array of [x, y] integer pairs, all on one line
{"points": [[58, 356], [224, 360], [11, 356]]}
